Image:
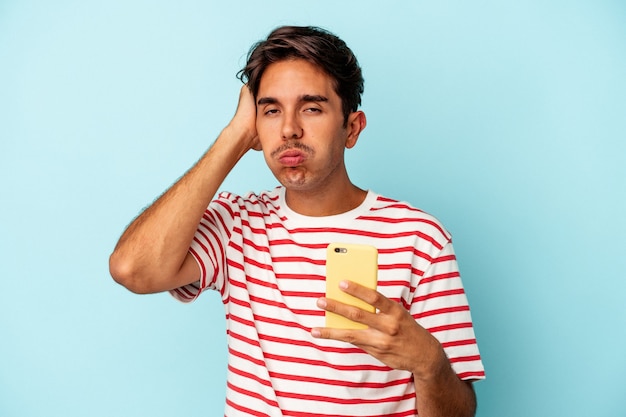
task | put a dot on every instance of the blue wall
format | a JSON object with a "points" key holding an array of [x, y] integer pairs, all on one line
{"points": [[507, 120]]}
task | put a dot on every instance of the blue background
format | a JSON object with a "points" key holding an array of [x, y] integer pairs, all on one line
{"points": [[507, 120]]}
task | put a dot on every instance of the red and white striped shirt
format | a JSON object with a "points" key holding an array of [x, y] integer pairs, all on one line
{"points": [[268, 263]]}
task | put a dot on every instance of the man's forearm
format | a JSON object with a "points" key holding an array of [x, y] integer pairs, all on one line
{"points": [[151, 251], [443, 394]]}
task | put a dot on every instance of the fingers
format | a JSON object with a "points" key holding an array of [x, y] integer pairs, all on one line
{"points": [[370, 296], [345, 335], [351, 312], [246, 99], [353, 335], [246, 106], [356, 313], [244, 120]]}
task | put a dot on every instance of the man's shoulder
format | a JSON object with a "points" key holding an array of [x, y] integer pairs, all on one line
{"points": [[404, 214], [394, 207]]}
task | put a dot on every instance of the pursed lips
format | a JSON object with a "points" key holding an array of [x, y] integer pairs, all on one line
{"points": [[292, 154], [291, 157]]}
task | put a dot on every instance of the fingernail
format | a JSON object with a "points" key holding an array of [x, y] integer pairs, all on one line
{"points": [[315, 333], [321, 303], [343, 285]]}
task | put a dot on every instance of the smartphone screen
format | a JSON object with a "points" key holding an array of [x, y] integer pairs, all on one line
{"points": [[353, 262]]}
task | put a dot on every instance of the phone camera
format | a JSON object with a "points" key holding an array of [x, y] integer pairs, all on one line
{"points": [[337, 250]]}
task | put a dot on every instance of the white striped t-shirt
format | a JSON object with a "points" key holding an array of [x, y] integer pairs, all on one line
{"points": [[268, 263]]}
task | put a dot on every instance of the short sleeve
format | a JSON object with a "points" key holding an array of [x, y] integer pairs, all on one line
{"points": [[208, 248], [440, 305]]}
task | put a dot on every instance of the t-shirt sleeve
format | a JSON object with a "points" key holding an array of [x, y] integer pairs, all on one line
{"points": [[440, 305], [208, 248]]}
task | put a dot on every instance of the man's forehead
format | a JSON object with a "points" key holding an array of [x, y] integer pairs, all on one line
{"points": [[298, 76]]}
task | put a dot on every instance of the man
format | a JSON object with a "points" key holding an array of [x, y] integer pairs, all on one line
{"points": [[265, 254]]}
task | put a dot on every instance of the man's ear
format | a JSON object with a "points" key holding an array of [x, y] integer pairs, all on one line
{"points": [[355, 125]]}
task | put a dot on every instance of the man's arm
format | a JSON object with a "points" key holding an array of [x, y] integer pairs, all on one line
{"points": [[397, 340], [152, 254]]}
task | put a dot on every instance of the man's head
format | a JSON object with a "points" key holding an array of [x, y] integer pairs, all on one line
{"points": [[316, 46]]}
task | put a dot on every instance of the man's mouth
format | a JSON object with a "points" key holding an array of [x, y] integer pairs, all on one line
{"points": [[292, 154], [291, 157]]}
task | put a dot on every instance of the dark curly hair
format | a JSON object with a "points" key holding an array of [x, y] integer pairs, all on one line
{"points": [[315, 45]]}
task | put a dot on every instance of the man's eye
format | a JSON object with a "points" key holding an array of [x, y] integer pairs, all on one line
{"points": [[313, 110], [271, 111]]}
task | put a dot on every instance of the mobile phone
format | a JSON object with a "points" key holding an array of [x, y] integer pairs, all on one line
{"points": [[353, 262]]}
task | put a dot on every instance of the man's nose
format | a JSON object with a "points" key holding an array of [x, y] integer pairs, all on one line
{"points": [[291, 128]]}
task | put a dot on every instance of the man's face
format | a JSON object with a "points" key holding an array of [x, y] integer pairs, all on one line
{"points": [[300, 125]]}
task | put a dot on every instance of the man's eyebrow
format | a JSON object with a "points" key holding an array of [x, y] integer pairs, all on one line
{"points": [[313, 98], [307, 98], [266, 100]]}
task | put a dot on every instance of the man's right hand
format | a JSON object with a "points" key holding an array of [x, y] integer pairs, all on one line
{"points": [[243, 122]]}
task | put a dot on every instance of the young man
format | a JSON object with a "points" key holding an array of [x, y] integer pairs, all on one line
{"points": [[265, 254]]}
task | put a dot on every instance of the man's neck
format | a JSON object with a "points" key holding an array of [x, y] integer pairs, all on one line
{"points": [[326, 202]]}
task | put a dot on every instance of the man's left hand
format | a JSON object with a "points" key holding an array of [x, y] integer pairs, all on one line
{"points": [[393, 336]]}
